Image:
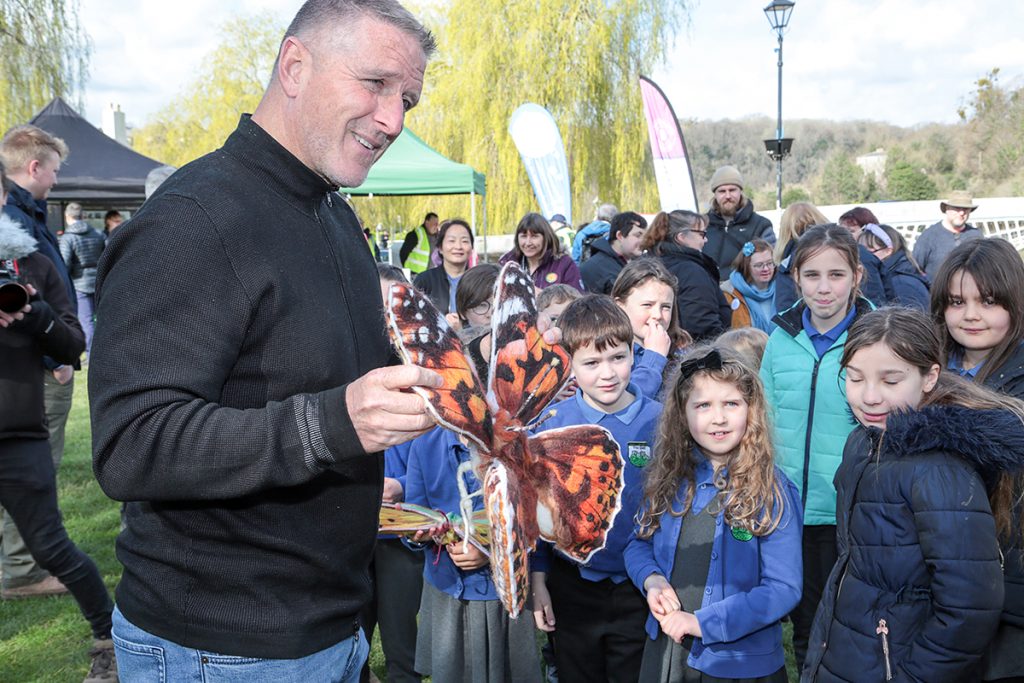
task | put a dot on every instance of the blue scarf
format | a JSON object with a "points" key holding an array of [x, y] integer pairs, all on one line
{"points": [[752, 294]]}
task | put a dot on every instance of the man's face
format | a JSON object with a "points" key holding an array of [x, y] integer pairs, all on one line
{"points": [[957, 217], [431, 225], [629, 244], [351, 102], [728, 197], [43, 174]]}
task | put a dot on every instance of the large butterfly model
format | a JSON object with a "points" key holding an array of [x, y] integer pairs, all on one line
{"points": [[407, 519], [561, 485]]}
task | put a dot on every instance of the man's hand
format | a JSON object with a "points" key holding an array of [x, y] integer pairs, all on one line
{"points": [[661, 596], [473, 558], [6, 319], [384, 412], [63, 374], [656, 338], [393, 492], [543, 613]]}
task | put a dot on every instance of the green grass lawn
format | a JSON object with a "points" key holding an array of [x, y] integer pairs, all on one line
{"points": [[46, 640]]}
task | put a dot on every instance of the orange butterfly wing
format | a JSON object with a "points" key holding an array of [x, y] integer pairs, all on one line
{"points": [[509, 548], [423, 337], [526, 372], [578, 473]]}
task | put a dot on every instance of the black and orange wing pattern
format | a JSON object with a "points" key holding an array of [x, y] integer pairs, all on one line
{"points": [[509, 548], [578, 474], [423, 337], [526, 372]]}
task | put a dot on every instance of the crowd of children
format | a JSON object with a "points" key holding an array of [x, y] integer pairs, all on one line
{"points": [[858, 472]]}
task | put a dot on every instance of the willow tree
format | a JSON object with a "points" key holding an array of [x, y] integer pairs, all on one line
{"points": [[580, 59], [45, 53], [231, 80]]}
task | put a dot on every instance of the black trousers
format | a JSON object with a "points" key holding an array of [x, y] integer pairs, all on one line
{"points": [[28, 491], [397, 576], [599, 626], [819, 555]]}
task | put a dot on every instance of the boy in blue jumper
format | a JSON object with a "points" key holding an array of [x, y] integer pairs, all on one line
{"points": [[600, 613]]}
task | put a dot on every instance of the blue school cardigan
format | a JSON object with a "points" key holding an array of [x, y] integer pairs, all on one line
{"points": [[431, 481], [751, 584]]}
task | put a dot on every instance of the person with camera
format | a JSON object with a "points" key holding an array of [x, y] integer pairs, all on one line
{"points": [[37, 320]]}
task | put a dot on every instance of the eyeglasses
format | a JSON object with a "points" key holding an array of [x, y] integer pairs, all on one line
{"points": [[877, 249], [767, 265], [702, 233], [482, 308]]}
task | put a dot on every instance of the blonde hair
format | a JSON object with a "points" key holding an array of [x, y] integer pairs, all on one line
{"points": [[795, 220], [752, 498], [22, 145], [746, 342]]}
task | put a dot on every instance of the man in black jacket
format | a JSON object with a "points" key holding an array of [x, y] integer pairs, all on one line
{"points": [[609, 254], [732, 221], [240, 397]]}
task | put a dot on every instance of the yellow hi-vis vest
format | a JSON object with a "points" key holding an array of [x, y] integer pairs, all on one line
{"points": [[419, 260]]}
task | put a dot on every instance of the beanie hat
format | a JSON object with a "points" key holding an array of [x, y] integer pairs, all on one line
{"points": [[726, 175]]}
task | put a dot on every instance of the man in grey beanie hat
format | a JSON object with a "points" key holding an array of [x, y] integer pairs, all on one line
{"points": [[732, 221]]}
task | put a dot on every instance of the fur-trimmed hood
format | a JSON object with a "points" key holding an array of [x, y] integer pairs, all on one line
{"points": [[15, 242], [990, 440]]}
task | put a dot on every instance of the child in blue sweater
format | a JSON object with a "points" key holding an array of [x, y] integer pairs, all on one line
{"points": [[597, 614], [716, 548]]}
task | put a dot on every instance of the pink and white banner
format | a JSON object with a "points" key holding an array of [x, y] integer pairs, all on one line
{"points": [[671, 162]]}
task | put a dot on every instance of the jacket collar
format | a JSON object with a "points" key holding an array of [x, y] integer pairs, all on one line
{"points": [[280, 170], [992, 441], [78, 228], [791, 319], [23, 199]]}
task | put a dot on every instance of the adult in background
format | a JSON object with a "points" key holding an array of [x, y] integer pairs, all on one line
{"points": [[732, 221], [419, 244], [28, 479], [80, 247], [871, 285], [797, 217], [245, 430], [455, 244], [536, 249], [935, 243], [111, 219], [752, 298], [594, 230], [33, 158], [609, 255], [677, 238]]}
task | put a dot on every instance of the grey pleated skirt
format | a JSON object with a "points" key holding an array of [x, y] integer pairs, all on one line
{"points": [[474, 641]]}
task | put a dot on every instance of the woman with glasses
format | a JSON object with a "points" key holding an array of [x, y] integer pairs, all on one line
{"points": [[753, 287], [678, 238], [904, 282]]}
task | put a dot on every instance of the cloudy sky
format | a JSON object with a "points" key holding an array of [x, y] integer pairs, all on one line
{"points": [[901, 61]]}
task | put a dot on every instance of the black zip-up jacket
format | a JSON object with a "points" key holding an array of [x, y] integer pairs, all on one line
{"points": [[235, 309], [726, 237], [700, 304], [600, 270]]}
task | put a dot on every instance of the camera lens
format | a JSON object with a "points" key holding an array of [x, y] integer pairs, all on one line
{"points": [[13, 297]]}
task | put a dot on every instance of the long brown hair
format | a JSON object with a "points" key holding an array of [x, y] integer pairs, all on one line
{"points": [[640, 271], [830, 236], [667, 226], [538, 225], [910, 335], [998, 271], [752, 498]]}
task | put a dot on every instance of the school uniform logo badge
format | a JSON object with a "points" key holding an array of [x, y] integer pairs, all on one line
{"points": [[741, 534], [639, 453]]}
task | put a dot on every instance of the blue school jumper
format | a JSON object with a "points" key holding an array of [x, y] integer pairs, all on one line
{"points": [[633, 428], [431, 480], [751, 585], [647, 370]]}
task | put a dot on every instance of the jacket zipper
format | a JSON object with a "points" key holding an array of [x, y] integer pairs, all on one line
{"points": [[810, 427], [883, 630]]}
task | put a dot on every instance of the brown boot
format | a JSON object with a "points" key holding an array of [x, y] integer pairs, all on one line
{"points": [[104, 665], [51, 585]]}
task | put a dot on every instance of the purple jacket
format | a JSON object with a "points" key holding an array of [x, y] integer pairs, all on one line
{"points": [[553, 270]]}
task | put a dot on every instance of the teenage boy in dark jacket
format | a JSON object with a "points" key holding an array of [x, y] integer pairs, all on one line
{"points": [[610, 254]]}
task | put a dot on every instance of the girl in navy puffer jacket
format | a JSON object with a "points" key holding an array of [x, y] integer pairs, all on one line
{"points": [[917, 590]]}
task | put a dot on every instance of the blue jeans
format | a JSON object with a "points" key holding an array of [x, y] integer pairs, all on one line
{"points": [[145, 658]]}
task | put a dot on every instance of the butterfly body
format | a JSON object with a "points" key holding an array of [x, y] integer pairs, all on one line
{"points": [[562, 485]]}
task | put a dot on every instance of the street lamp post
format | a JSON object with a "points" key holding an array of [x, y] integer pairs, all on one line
{"points": [[778, 13]]}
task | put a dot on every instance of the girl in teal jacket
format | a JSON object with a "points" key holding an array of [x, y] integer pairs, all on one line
{"points": [[800, 371]]}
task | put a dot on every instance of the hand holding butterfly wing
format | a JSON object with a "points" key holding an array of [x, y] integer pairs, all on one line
{"points": [[383, 412]]}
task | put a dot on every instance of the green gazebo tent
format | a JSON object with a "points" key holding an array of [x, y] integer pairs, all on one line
{"points": [[411, 167]]}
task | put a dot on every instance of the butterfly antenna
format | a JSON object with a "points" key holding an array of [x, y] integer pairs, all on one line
{"points": [[552, 366], [543, 418]]}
